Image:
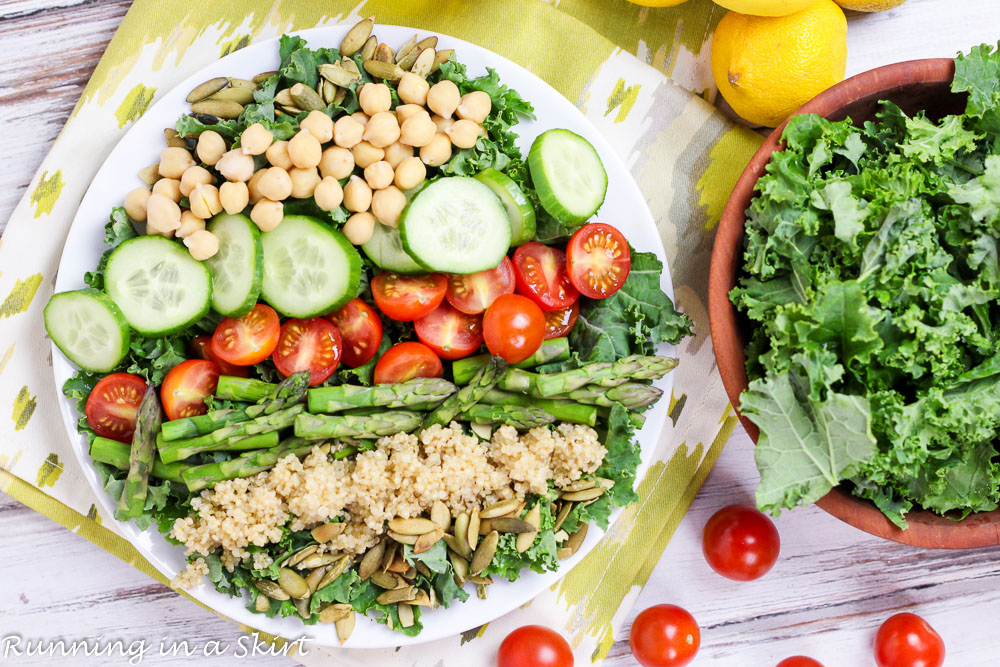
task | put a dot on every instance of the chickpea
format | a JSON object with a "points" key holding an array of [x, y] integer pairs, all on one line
{"points": [[359, 228], [463, 133], [336, 162], [412, 89], [135, 204], [379, 175], [396, 153], [256, 139], [267, 214], [328, 194], [437, 152], [205, 201], [382, 130], [162, 214], [275, 184], [304, 181], [475, 106], [234, 197], [357, 195], [235, 166], [194, 176], [374, 98], [418, 131], [361, 117], [277, 155], [304, 149], [168, 187], [174, 160], [190, 223], [442, 123], [406, 111], [443, 98], [319, 125], [202, 244], [252, 189], [410, 173], [210, 147], [366, 154], [348, 132], [387, 204]]}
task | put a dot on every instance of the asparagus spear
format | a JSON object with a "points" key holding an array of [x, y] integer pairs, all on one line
{"points": [[554, 349], [567, 411], [244, 465], [231, 436], [485, 379], [355, 426], [245, 390], [416, 393], [517, 416], [116, 455], [603, 374], [133, 498], [632, 395]]}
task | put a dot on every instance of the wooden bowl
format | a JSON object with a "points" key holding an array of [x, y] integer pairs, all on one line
{"points": [[913, 85]]}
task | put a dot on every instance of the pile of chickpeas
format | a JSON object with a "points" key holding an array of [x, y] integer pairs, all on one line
{"points": [[392, 148]]}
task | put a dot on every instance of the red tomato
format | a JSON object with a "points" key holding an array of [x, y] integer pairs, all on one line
{"points": [[474, 292], [248, 340], [449, 332], [361, 330], [664, 635], [907, 640], [405, 361], [740, 543], [799, 661], [534, 646], [513, 327], [201, 347], [185, 387], [540, 274], [561, 322], [408, 298], [598, 260], [312, 345], [113, 405]]}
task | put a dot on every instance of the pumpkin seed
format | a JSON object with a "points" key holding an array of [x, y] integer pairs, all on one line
{"points": [[317, 560], [561, 517], [411, 573], [356, 37], [485, 581], [371, 561], [576, 539], [150, 174], [508, 525], [484, 553], [339, 95], [428, 540], [440, 514], [301, 555], [405, 49], [263, 76], [516, 512], [402, 539], [586, 494], [440, 58], [563, 553], [271, 589], [302, 606], [314, 578], [292, 110], [485, 527], [414, 526], [462, 534], [327, 91], [327, 531], [423, 64], [293, 584], [345, 627], [397, 595], [579, 485], [474, 528], [383, 70], [385, 54], [427, 43], [499, 509], [306, 98], [262, 603], [461, 567], [388, 580], [219, 108], [239, 95], [284, 98], [422, 599], [405, 612], [533, 518], [334, 613], [210, 87], [338, 74], [399, 564], [173, 139], [351, 66], [334, 571], [407, 61], [242, 83], [423, 569], [390, 555], [482, 592], [452, 542], [604, 482]]}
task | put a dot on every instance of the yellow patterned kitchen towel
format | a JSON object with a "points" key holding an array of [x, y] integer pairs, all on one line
{"points": [[640, 75]]}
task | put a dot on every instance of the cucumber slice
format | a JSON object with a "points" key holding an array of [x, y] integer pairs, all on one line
{"points": [[519, 209], [159, 287], [238, 268], [385, 248], [455, 225], [568, 176], [310, 269], [89, 329]]}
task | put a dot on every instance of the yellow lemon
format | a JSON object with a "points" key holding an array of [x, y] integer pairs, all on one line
{"points": [[767, 67], [765, 7], [869, 5], [657, 3]]}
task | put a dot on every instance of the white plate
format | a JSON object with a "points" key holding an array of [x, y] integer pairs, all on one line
{"points": [[624, 208]]}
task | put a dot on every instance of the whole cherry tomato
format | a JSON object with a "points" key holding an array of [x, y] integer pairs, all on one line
{"points": [[740, 543], [907, 640], [799, 661], [513, 327], [534, 646], [186, 386], [664, 635], [405, 361]]}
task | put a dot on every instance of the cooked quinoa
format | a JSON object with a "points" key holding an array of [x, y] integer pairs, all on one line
{"points": [[402, 476]]}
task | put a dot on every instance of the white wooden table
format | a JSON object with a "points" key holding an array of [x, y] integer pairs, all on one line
{"points": [[831, 588]]}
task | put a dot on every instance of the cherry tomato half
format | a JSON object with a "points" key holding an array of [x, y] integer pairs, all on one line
{"points": [[312, 345], [513, 327], [451, 333], [598, 260], [534, 646], [799, 661], [560, 322], [408, 298], [113, 405], [540, 274], [201, 347], [740, 543], [247, 340], [907, 640], [186, 386], [664, 635], [405, 361], [361, 330], [474, 292]]}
